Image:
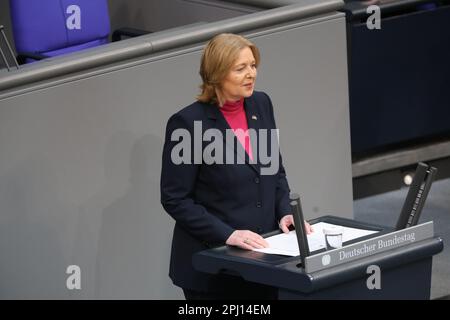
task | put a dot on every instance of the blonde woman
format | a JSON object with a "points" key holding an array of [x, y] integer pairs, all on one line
{"points": [[213, 181]]}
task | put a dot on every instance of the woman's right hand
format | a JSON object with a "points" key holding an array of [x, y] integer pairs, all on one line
{"points": [[246, 239]]}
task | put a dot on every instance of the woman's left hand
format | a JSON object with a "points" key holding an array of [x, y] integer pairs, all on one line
{"points": [[288, 220]]}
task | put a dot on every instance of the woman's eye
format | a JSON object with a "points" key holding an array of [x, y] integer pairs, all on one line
{"points": [[240, 69]]}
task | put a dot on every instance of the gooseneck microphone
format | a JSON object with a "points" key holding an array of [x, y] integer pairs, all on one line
{"points": [[300, 231]]}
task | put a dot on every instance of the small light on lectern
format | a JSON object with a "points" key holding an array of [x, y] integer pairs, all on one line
{"points": [[407, 179]]}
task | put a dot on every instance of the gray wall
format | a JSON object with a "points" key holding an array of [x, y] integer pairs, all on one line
{"points": [[80, 161]]}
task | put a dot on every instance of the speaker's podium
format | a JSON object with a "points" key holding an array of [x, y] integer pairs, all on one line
{"points": [[401, 260], [390, 263]]}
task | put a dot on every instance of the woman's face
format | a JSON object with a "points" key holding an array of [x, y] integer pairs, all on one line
{"points": [[240, 81]]}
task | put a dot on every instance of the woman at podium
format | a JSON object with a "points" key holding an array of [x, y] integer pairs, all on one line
{"points": [[222, 176]]}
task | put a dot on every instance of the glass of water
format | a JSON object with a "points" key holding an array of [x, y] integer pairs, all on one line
{"points": [[333, 237]]}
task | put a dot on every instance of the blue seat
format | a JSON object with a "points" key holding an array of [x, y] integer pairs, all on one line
{"points": [[54, 27]]}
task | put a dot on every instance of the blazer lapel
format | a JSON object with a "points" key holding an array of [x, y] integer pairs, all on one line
{"points": [[254, 123]]}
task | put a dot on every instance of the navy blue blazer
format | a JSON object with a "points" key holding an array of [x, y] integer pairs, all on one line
{"points": [[210, 201]]}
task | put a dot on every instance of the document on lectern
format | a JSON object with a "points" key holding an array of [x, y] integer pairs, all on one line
{"points": [[286, 243]]}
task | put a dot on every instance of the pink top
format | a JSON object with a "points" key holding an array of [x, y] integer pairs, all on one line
{"points": [[234, 113]]}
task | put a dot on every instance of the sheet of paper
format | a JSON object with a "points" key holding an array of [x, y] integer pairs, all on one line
{"points": [[286, 243]]}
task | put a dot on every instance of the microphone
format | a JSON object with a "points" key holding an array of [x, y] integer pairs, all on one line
{"points": [[300, 231], [416, 197]]}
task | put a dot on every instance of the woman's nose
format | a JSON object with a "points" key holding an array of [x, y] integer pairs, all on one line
{"points": [[251, 73]]}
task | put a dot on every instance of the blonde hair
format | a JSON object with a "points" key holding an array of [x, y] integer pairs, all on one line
{"points": [[218, 57]]}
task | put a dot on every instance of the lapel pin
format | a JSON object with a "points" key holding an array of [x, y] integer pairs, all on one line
{"points": [[254, 117]]}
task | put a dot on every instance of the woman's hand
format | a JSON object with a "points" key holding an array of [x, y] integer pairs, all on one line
{"points": [[246, 239], [288, 220]]}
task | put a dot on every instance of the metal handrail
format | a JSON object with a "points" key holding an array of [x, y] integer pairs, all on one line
{"points": [[162, 41]]}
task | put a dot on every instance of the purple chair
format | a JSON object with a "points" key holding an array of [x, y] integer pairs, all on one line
{"points": [[50, 28]]}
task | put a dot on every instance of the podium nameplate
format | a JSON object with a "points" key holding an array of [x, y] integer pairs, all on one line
{"points": [[369, 247]]}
